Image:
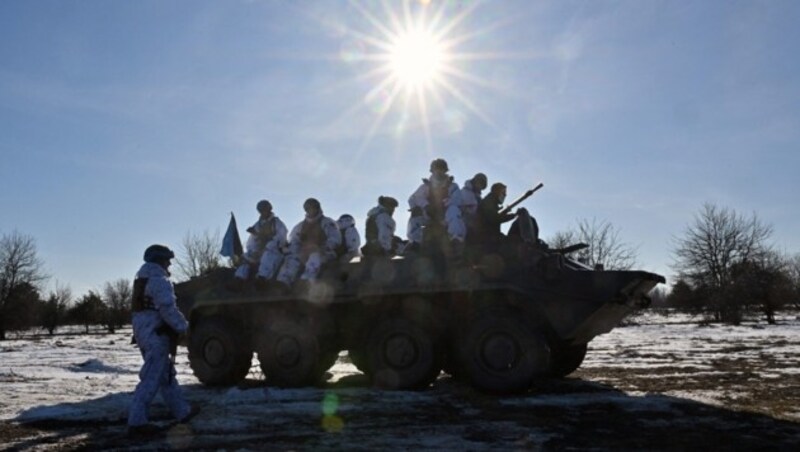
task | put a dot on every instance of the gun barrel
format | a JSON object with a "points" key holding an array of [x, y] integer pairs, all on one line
{"points": [[524, 196]]}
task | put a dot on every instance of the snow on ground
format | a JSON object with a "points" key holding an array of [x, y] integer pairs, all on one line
{"points": [[678, 347], [661, 381]]}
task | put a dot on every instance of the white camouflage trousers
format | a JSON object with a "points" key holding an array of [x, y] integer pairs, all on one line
{"points": [[456, 229], [252, 255], [293, 263], [268, 265], [271, 262], [157, 375]]}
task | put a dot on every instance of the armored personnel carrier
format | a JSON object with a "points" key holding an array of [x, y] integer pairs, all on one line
{"points": [[500, 320]]}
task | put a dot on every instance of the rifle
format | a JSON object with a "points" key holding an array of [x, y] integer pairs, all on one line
{"points": [[524, 196], [173, 336]]}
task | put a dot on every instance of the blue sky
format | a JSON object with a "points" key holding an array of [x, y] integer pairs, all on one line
{"points": [[128, 123]]}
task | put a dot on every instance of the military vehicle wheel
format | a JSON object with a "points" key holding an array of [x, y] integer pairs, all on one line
{"points": [[500, 354], [217, 355], [327, 361], [359, 359], [290, 354], [402, 354], [566, 358]]}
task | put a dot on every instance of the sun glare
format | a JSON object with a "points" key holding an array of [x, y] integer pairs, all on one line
{"points": [[416, 58], [419, 57]]}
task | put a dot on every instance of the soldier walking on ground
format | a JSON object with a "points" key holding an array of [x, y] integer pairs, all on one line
{"points": [[157, 322]]}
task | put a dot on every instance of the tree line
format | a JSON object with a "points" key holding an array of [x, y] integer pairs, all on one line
{"points": [[727, 266], [725, 263], [24, 304]]}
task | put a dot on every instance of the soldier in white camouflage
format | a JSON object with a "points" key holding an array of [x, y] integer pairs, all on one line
{"points": [[380, 228], [265, 245], [157, 323], [470, 198], [312, 243], [436, 202], [351, 240]]}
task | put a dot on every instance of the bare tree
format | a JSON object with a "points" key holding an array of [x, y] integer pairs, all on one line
{"points": [[55, 308], [199, 254], [562, 239], [605, 247], [685, 297], [117, 297], [793, 268], [658, 296], [763, 284], [89, 310], [718, 241], [20, 268]]}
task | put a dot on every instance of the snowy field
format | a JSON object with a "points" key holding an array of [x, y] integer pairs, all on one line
{"points": [[661, 382]]}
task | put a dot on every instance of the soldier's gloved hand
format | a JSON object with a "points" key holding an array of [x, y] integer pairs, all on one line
{"points": [[416, 211], [251, 230]]}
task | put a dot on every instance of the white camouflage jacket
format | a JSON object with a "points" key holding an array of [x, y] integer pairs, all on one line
{"points": [[159, 289]]}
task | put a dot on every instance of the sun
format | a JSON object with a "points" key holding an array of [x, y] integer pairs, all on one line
{"points": [[416, 59]]}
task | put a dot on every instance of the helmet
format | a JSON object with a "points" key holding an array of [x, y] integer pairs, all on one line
{"points": [[498, 187], [264, 206], [157, 253], [312, 203], [346, 221], [479, 181], [388, 202], [440, 165]]}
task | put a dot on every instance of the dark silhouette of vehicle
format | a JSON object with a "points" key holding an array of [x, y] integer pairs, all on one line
{"points": [[500, 320]]}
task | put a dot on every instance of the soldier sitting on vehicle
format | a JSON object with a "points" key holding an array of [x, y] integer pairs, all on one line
{"points": [[264, 245], [380, 228], [489, 219], [351, 241], [470, 198], [312, 243], [525, 229], [436, 203]]}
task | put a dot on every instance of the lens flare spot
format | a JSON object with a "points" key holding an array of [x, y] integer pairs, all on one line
{"points": [[424, 271], [493, 265], [378, 100], [455, 121], [383, 272], [330, 404], [320, 293], [332, 424], [352, 51]]}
